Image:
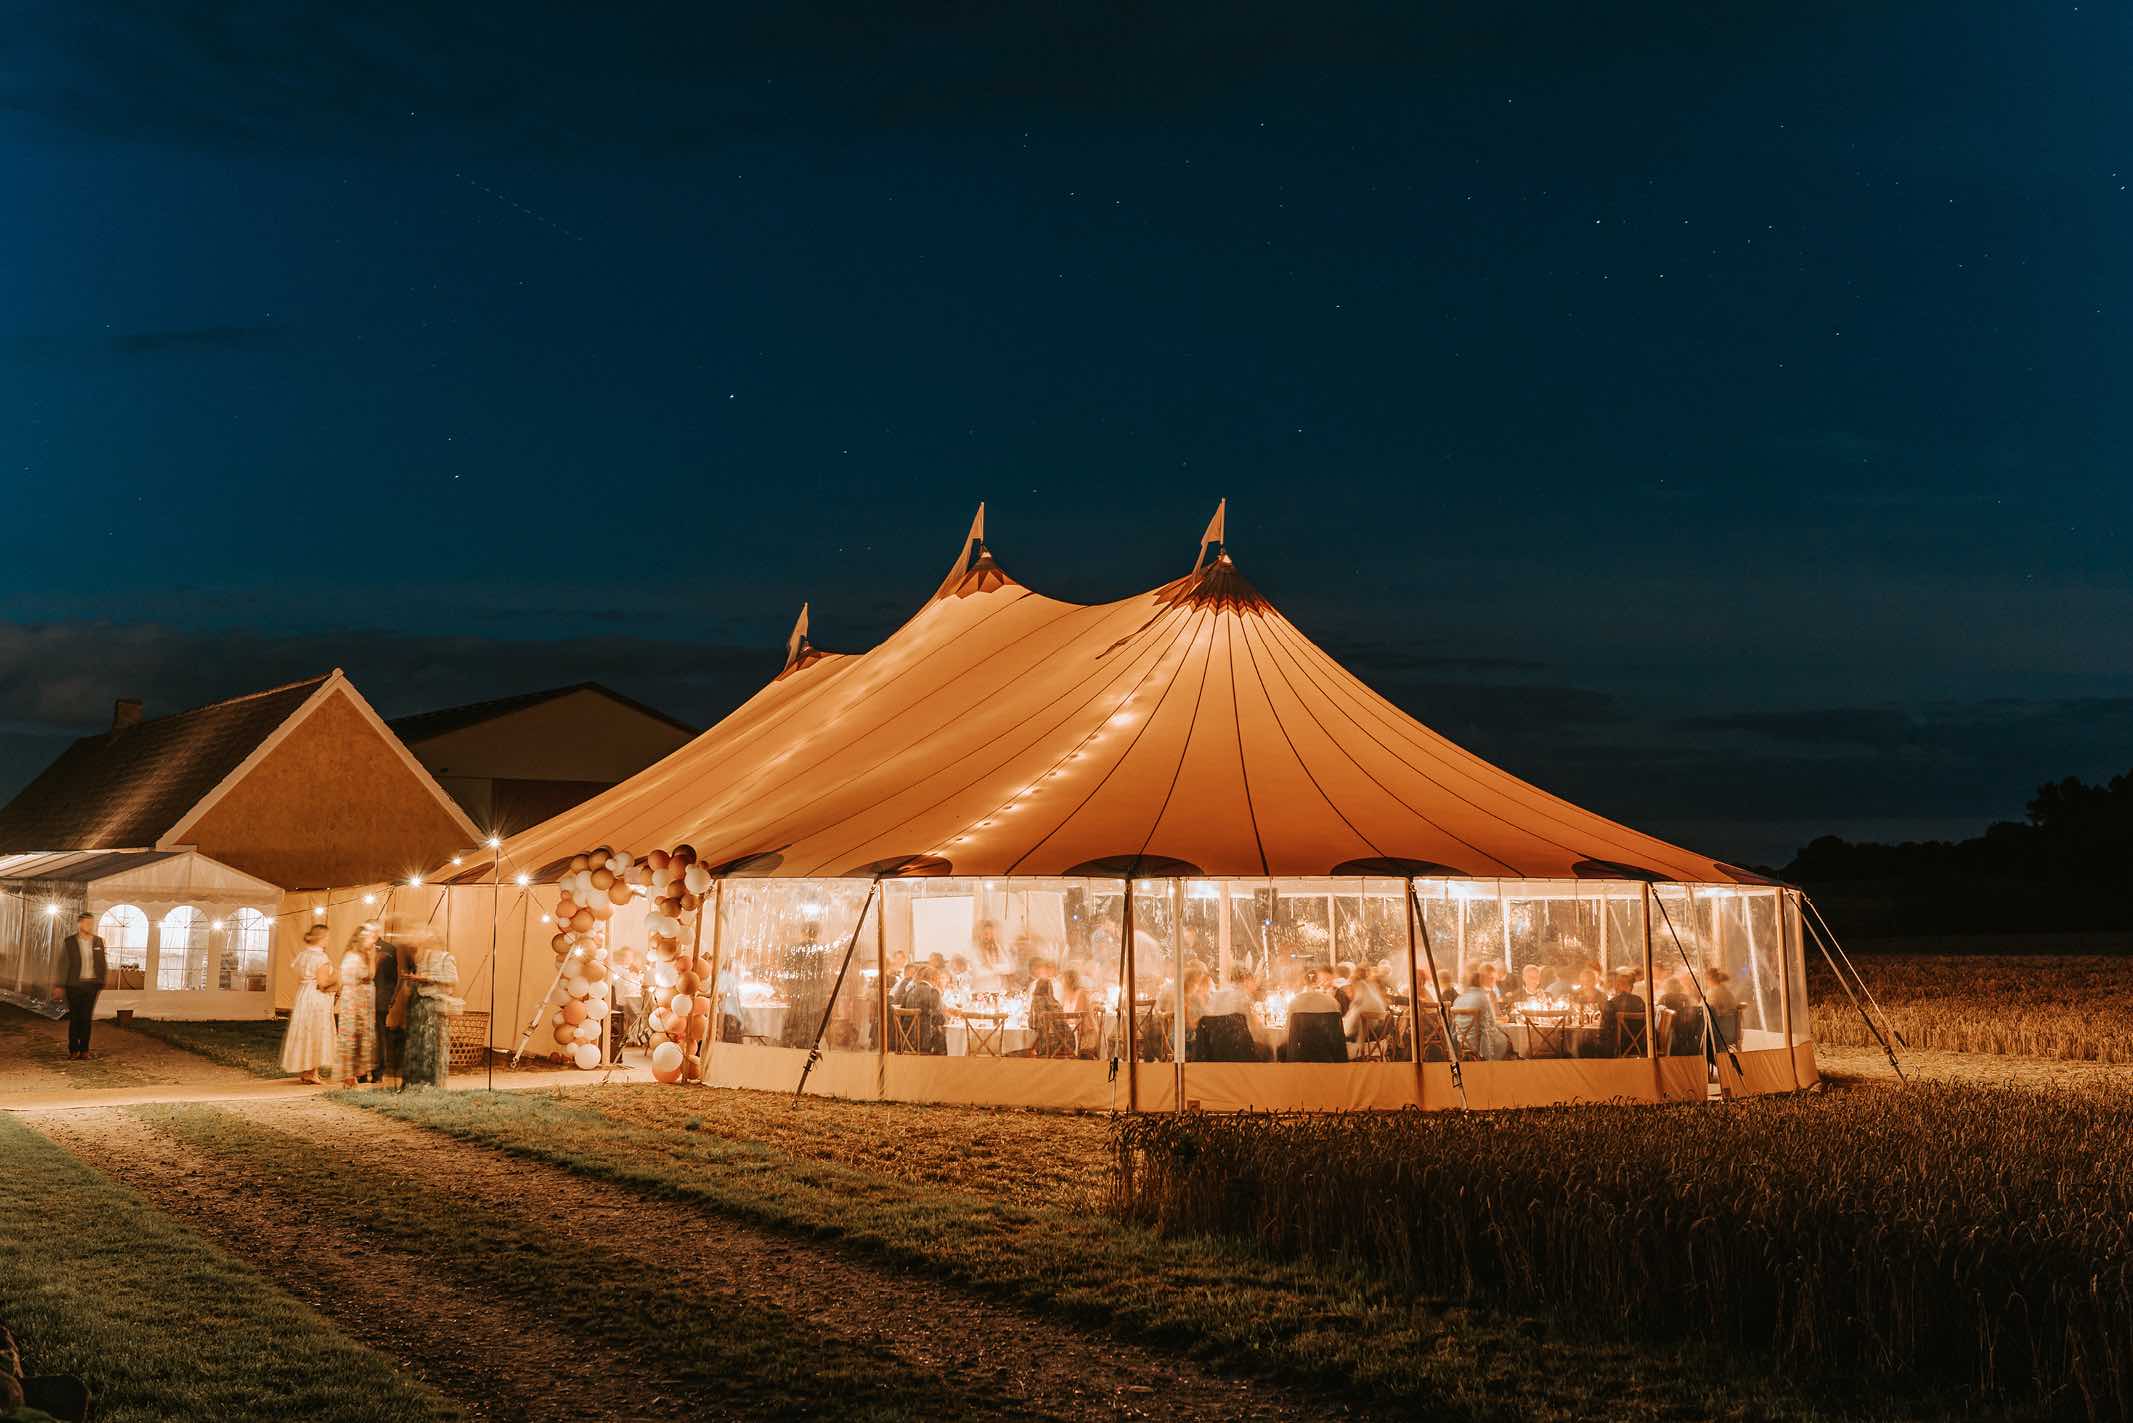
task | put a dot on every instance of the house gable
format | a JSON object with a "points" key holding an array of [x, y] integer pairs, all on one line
{"points": [[333, 801]]}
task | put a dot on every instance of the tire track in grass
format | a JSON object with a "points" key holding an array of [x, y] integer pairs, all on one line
{"points": [[492, 1359], [604, 1333], [857, 1332]]}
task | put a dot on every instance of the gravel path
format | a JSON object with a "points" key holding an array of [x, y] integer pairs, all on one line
{"points": [[501, 1359], [33, 1061]]}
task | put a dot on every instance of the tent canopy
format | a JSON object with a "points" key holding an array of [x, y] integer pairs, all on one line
{"points": [[1189, 730]]}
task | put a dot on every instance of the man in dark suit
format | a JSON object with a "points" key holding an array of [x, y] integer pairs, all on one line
{"points": [[80, 973]]}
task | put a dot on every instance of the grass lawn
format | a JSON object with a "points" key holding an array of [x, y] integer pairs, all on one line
{"points": [[761, 1362], [162, 1324], [1008, 1204], [252, 1045]]}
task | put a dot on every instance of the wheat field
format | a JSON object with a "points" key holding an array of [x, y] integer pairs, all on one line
{"points": [[2077, 1008]]}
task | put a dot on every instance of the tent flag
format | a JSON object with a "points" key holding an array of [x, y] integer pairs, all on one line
{"points": [[1213, 538], [975, 539], [798, 640]]}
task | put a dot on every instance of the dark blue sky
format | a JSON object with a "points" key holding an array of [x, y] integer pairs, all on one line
{"points": [[1715, 416]]}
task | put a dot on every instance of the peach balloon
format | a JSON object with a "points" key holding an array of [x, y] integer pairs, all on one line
{"points": [[574, 1011], [578, 862], [603, 879], [582, 921], [657, 859], [618, 893], [596, 970]]}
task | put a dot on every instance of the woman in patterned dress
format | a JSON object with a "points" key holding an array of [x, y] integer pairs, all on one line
{"points": [[429, 1026], [356, 1044], [308, 1046]]}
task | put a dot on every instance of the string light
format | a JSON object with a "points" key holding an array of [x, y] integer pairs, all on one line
{"points": [[494, 842], [318, 911], [523, 880], [456, 860], [370, 899], [216, 925], [415, 881]]}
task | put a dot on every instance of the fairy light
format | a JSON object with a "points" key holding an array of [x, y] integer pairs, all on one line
{"points": [[415, 881], [318, 911], [494, 842], [370, 899], [522, 879], [456, 861], [216, 925]]}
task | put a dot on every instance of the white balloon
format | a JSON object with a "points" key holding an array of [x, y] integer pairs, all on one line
{"points": [[578, 985], [664, 976], [597, 990], [618, 863], [588, 1031], [696, 879], [666, 1058], [586, 1055]]}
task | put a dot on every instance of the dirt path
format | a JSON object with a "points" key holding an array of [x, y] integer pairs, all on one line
{"points": [[507, 1363], [33, 1061]]}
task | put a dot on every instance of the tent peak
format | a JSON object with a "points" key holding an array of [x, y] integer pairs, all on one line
{"points": [[1214, 537], [1217, 585], [799, 652], [974, 569]]}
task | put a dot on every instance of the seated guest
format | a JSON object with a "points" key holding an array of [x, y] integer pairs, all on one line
{"points": [[1315, 1033], [1386, 984], [1366, 1003], [1199, 987], [1491, 982], [1562, 978], [1686, 1039], [924, 997], [1344, 983], [1044, 1009], [1587, 997], [1622, 1020], [1531, 982], [1725, 1005], [1474, 1020], [904, 975], [1230, 1031]]}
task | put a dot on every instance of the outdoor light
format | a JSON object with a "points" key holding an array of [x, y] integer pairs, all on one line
{"points": [[318, 911], [216, 925], [456, 860], [415, 881], [523, 880], [370, 899], [494, 842], [544, 919], [51, 910]]}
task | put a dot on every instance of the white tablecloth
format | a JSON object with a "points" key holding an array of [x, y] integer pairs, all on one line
{"points": [[766, 1020], [1012, 1040]]}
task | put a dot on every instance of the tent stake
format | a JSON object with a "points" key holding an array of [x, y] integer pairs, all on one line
{"points": [[814, 1051], [1444, 1017], [1831, 936], [1864, 1016]]}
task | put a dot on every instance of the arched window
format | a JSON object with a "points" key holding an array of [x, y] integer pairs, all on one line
{"points": [[250, 932], [181, 950], [124, 930]]}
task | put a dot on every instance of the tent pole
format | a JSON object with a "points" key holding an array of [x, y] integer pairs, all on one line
{"points": [[1129, 1026], [1784, 949], [1177, 993], [1651, 992], [496, 906], [881, 999], [718, 1004], [1444, 1017], [562, 967], [814, 1049], [1414, 995], [518, 990]]}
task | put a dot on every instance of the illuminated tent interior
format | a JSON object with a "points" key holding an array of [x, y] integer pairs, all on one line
{"points": [[976, 794]]}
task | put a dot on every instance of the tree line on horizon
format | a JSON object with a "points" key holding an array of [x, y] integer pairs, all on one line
{"points": [[2067, 866]]}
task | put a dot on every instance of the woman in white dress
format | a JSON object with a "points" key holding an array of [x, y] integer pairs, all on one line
{"points": [[309, 1047]]}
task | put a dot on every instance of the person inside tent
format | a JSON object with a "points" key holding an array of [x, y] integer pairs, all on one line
{"points": [[1474, 1021], [924, 998], [1366, 1004], [1622, 1021], [1532, 984], [1315, 1030]]}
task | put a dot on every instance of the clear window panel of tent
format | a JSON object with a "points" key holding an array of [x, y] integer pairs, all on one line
{"points": [[1795, 948], [999, 968], [780, 948]]}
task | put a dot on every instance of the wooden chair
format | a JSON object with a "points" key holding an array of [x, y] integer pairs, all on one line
{"points": [[1663, 1029], [903, 1023], [1057, 1035], [981, 1032], [1225, 1037], [1629, 1035], [1466, 1032], [1381, 1037], [1548, 1032]]}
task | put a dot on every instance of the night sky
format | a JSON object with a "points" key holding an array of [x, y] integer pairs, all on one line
{"points": [[1716, 414]]}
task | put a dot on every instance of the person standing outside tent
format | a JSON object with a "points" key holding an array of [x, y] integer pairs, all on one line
{"points": [[81, 971]]}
